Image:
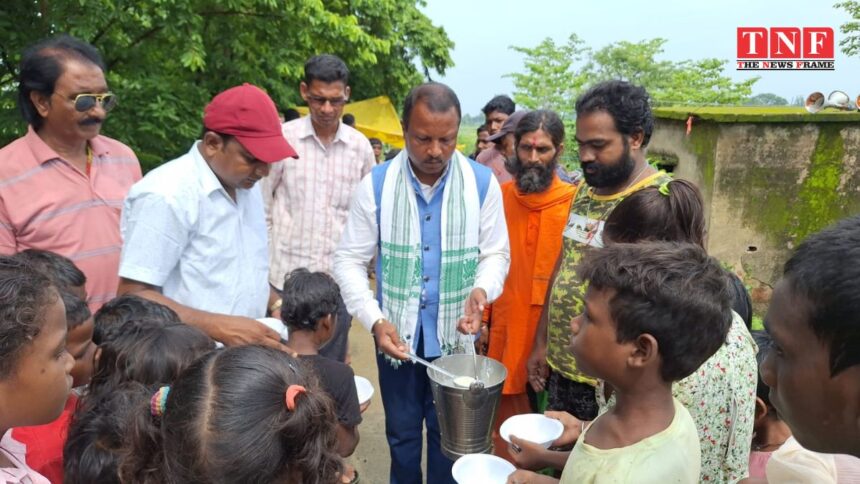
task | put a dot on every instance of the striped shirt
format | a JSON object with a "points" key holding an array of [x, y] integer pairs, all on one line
{"points": [[46, 203], [307, 199]]}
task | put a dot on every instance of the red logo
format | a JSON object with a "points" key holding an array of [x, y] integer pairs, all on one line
{"points": [[811, 48]]}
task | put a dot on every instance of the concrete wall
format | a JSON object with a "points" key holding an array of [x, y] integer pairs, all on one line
{"points": [[766, 185]]}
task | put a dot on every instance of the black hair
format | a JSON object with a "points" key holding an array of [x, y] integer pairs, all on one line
{"points": [[763, 341], [628, 104], [673, 291], [25, 294], [392, 153], [481, 128], [349, 120], [308, 297], [97, 432], [225, 137], [148, 352], [544, 120], [291, 114], [437, 97], [77, 310], [375, 141], [825, 271], [326, 68], [226, 421], [113, 314], [61, 270], [500, 103], [43, 63], [676, 214]]}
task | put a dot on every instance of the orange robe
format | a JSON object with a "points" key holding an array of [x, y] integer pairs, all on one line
{"points": [[535, 223]]}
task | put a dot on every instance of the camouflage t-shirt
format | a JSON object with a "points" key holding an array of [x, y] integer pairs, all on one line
{"points": [[584, 229]]}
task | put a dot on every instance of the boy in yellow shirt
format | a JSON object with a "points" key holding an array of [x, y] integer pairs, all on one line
{"points": [[654, 312]]}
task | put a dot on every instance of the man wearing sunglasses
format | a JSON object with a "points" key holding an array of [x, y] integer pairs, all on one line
{"points": [[62, 184], [307, 199]]}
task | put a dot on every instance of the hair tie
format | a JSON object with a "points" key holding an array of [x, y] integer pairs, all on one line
{"points": [[158, 402], [664, 189], [292, 392]]}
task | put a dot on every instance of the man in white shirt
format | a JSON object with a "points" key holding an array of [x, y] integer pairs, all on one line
{"points": [[307, 199], [194, 229], [435, 221]]}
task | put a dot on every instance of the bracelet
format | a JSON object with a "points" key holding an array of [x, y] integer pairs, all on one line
{"points": [[375, 323], [276, 305]]}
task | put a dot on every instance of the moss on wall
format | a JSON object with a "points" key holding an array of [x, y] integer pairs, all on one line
{"points": [[755, 114], [819, 202]]}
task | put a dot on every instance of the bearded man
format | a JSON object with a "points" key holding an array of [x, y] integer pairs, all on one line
{"points": [[536, 204], [613, 126]]}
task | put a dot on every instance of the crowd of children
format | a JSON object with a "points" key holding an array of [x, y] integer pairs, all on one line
{"points": [[133, 395]]}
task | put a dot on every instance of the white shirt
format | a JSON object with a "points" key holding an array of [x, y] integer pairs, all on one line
{"points": [[361, 235], [183, 233], [307, 199]]}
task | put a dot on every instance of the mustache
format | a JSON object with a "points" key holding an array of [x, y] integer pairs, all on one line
{"points": [[91, 121]]}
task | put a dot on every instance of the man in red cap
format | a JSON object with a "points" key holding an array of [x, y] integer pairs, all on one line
{"points": [[194, 229]]}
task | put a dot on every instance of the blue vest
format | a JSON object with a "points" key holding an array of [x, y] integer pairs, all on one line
{"points": [[430, 216]]}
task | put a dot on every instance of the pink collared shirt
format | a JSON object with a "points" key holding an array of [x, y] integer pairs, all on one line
{"points": [[495, 160], [307, 199], [46, 203]]}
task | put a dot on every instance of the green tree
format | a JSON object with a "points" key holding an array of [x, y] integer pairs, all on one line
{"points": [[167, 58], [553, 77], [766, 99], [851, 42]]}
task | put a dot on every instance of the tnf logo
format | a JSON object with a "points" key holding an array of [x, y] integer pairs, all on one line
{"points": [[785, 43]]}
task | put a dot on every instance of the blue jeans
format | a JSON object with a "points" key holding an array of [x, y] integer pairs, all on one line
{"points": [[408, 403]]}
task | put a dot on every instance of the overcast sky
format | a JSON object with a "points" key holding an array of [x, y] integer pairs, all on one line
{"points": [[482, 31]]}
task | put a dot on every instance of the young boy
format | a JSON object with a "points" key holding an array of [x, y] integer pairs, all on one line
{"points": [[654, 312], [310, 311], [813, 367]]}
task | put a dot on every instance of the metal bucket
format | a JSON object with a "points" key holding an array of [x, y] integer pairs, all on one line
{"points": [[466, 430]]}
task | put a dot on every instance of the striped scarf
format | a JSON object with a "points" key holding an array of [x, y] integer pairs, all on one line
{"points": [[401, 253]]}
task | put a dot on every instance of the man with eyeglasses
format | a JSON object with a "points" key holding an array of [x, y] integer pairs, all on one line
{"points": [[307, 199], [62, 184]]}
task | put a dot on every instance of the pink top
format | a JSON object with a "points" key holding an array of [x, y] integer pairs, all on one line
{"points": [[46, 203], [14, 451], [495, 160], [758, 463]]}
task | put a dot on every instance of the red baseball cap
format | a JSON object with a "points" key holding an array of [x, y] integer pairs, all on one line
{"points": [[249, 114]]}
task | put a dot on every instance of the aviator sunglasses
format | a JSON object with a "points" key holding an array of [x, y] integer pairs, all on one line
{"points": [[85, 102]]}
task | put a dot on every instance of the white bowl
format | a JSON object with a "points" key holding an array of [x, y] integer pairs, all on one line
{"points": [[364, 388], [278, 326], [481, 469], [533, 427]]}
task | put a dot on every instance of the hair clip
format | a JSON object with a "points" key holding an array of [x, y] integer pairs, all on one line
{"points": [[292, 392], [664, 189], [158, 402]]}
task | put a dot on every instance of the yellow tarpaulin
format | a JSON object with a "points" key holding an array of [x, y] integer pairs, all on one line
{"points": [[375, 118]]}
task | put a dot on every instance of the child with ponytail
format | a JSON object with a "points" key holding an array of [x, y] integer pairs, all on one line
{"points": [[245, 414]]}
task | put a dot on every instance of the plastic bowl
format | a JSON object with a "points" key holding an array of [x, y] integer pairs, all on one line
{"points": [[533, 427], [364, 388], [278, 326], [481, 469]]}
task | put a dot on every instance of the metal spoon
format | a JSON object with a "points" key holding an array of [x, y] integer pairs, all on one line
{"points": [[477, 394], [426, 363]]}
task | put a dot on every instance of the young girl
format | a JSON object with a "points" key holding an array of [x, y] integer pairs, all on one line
{"points": [[149, 352], [35, 368], [244, 414]]}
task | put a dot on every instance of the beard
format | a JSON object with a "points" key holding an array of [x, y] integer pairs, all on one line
{"points": [[531, 177], [610, 175]]}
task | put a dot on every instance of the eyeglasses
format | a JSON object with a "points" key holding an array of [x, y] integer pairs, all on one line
{"points": [[320, 101], [85, 102]]}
